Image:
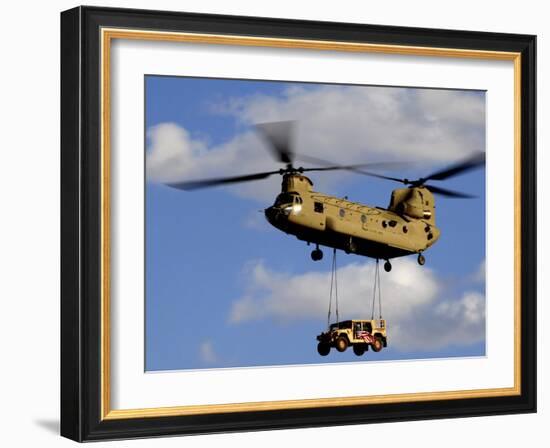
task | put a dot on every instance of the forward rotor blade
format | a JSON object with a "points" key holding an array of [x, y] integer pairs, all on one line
{"points": [[279, 136], [449, 193], [356, 168], [470, 163], [206, 183], [380, 165]]}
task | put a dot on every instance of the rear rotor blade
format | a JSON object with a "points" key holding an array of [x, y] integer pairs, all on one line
{"points": [[279, 136], [382, 176], [468, 164], [449, 193], [205, 183]]}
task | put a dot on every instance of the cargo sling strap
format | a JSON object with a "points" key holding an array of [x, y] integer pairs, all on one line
{"points": [[376, 292], [333, 289]]}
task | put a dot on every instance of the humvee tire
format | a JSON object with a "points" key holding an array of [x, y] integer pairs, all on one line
{"points": [[341, 344], [359, 349], [323, 349], [377, 344]]}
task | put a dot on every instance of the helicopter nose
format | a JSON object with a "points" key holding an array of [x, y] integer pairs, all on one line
{"points": [[271, 215], [275, 216]]}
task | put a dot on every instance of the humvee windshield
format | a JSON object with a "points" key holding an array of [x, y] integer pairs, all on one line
{"points": [[365, 326], [341, 325]]}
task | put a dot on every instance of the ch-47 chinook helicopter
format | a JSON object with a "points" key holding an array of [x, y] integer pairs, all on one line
{"points": [[406, 227]]}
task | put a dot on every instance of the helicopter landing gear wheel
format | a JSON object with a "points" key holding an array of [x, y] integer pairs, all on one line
{"points": [[421, 260], [317, 254], [387, 266]]}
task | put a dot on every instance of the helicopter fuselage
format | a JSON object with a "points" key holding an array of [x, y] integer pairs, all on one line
{"points": [[406, 227]]}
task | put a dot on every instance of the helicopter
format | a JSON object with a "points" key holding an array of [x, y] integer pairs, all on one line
{"points": [[406, 227]]}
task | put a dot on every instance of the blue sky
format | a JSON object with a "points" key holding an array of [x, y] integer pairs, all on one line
{"points": [[225, 289]]}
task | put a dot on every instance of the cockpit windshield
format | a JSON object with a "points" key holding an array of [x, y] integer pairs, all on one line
{"points": [[285, 198]]}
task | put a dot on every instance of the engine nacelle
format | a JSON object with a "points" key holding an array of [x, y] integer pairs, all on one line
{"points": [[415, 210], [415, 202]]}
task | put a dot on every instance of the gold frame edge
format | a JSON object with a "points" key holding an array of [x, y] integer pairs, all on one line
{"points": [[107, 35]]}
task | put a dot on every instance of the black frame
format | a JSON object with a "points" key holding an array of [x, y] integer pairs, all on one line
{"points": [[80, 223]]}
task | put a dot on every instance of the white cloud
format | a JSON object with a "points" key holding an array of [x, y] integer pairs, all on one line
{"points": [[470, 308], [419, 314], [340, 123], [287, 297], [174, 155], [207, 354], [171, 152], [450, 322], [358, 122]]}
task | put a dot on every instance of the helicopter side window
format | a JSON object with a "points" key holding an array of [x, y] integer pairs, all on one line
{"points": [[318, 207]]}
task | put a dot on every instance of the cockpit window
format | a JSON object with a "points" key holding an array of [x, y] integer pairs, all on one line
{"points": [[286, 198]]}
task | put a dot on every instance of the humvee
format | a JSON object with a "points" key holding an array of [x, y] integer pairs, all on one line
{"points": [[360, 334]]}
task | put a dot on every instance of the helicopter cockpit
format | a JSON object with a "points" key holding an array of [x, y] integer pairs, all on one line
{"points": [[284, 199], [289, 202]]}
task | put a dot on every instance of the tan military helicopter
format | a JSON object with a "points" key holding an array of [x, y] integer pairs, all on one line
{"points": [[406, 227]]}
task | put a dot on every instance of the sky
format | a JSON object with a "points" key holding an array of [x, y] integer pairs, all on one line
{"points": [[225, 289]]}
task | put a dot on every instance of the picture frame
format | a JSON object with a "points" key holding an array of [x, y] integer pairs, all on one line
{"points": [[86, 206]]}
